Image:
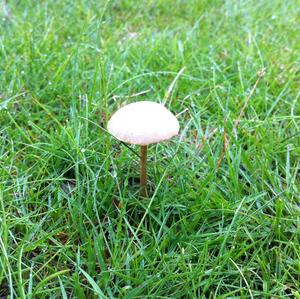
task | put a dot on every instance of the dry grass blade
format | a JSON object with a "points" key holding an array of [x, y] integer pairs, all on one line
{"points": [[205, 138], [260, 76], [226, 142], [225, 145]]}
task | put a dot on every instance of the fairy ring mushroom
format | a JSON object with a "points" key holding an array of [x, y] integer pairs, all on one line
{"points": [[143, 123]]}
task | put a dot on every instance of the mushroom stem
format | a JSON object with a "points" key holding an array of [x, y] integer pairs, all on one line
{"points": [[143, 177]]}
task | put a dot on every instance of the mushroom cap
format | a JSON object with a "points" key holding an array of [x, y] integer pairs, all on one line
{"points": [[143, 123]]}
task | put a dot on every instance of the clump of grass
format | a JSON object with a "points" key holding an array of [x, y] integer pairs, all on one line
{"points": [[71, 221]]}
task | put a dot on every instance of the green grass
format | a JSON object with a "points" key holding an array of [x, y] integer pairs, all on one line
{"points": [[72, 224]]}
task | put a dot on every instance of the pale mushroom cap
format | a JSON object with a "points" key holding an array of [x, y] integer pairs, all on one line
{"points": [[143, 123]]}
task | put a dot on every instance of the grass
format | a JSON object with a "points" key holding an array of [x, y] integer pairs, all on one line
{"points": [[72, 222]]}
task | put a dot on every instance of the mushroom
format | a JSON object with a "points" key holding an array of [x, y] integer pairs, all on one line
{"points": [[143, 123]]}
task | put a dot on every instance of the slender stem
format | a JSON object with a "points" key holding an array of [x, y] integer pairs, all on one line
{"points": [[143, 177]]}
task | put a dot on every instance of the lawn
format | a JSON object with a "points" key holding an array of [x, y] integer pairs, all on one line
{"points": [[222, 219]]}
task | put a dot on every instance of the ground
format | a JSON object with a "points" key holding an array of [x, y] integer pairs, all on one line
{"points": [[223, 216]]}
